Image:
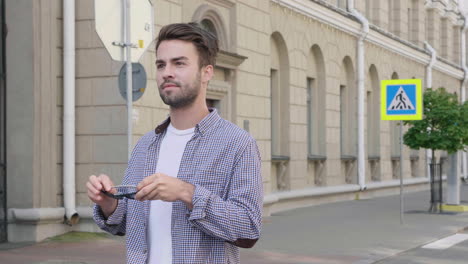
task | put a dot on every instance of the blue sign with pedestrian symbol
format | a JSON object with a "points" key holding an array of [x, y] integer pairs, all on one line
{"points": [[401, 99]]}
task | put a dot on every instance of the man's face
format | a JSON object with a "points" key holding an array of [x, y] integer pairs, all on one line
{"points": [[178, 73]]}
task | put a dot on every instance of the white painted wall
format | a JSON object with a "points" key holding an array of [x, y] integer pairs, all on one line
{"points": [[463, 6]]}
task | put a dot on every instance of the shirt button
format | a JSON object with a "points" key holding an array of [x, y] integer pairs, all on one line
{"points": [[145, 251]]}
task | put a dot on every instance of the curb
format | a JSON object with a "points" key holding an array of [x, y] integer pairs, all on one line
{"points": [[454, 208]]}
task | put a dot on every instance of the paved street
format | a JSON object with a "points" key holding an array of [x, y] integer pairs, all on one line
{"points": [[455, 254], [358, 232], [362, 231]]}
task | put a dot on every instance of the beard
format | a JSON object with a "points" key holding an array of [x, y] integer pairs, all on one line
{"points": [[186, 95]]}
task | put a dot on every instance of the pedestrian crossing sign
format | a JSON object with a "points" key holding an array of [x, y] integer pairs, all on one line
{"points": [[401, 99]]}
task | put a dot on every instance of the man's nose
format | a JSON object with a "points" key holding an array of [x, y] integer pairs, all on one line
{"points": [[168, 72]]}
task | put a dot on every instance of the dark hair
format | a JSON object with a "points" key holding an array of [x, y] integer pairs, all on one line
{"points": [[205, 42]]}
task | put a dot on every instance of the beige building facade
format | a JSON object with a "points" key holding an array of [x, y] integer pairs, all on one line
{"points": [[288, 72]]}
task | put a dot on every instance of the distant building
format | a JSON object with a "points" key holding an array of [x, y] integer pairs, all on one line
{"points": [[287, 73]]}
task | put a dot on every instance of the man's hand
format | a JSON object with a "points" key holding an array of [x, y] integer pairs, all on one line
{"points": [[95, 185], [160, 186]]}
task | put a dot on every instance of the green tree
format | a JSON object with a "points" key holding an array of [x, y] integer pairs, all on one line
{"points": [[464, 122], [444, 125]]}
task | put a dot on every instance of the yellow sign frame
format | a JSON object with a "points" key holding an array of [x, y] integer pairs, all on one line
{"points": [[418, 115]]}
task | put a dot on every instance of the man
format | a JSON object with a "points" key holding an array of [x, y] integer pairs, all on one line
{"points": [[199, 189]]}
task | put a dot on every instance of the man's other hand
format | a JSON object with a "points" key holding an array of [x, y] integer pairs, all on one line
{"points": [[160, 186]]}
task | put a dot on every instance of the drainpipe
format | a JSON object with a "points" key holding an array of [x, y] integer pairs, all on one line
{"points": [[361, 93], [463, 86], [71, 216], [428, 86]]}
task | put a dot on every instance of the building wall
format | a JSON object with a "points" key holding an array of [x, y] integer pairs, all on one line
{"points": [[300, 40], [32, 67]]}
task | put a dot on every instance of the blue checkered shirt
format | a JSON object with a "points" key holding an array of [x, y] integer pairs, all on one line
{"points": [[222, 161]]}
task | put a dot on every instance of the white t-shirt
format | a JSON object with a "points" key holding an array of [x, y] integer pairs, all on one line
{"points": [[159, 227]]}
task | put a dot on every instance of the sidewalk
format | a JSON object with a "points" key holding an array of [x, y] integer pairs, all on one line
{"points": [[359, 232]]}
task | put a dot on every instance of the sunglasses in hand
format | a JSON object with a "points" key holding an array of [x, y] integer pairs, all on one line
{"points": [[122, 191]]}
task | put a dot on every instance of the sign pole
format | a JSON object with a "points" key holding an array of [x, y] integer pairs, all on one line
{"points": [[120, 32], [401, 173], [128, 46], [401, 100]]}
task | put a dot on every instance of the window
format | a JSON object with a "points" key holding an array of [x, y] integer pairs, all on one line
{"points": [[210, 19], [390, 17], [342, 118], [275, 118], [413, 22], [369, 9], [316, 103], [279, 89], [311, 112], [444, 35], [209, 26], [430, 28], [220, 93], [279, 75], [348, 109], [211, 103], [373, 114], [343, 4], [456, 45]]}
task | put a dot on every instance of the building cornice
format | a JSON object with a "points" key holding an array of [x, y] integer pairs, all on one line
{"points": [[224, 3], [343, 21], [229, 60]]}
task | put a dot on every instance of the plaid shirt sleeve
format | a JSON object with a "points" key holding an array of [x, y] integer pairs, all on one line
{"points": [[237, 219], [116, 222]]}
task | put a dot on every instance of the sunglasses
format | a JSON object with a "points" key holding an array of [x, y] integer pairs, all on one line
{"points": [[122, 191]]}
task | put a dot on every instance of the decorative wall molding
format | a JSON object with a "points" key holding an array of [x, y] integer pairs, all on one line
{"points": [[343, 21], [229, 60], [225, 3]]}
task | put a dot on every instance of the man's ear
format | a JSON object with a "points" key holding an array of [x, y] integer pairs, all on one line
{"points": [[207, 73]]}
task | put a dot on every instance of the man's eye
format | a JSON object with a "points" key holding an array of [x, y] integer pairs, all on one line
{"points": [[179, 63], [159, 66]]}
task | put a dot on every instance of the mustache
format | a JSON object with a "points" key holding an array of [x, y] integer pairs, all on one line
{"points": [[170, 82]]}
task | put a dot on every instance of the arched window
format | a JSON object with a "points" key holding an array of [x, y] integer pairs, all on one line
{"points": [[348, 106], [316, 90], [210, 19], [208, 25], [373, 124], [316, 98], [279, 84], [221, 92], [219, 88], [348, 124]]}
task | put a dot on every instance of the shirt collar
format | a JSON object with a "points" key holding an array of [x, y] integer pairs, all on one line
{"points": [[201, 127]]}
